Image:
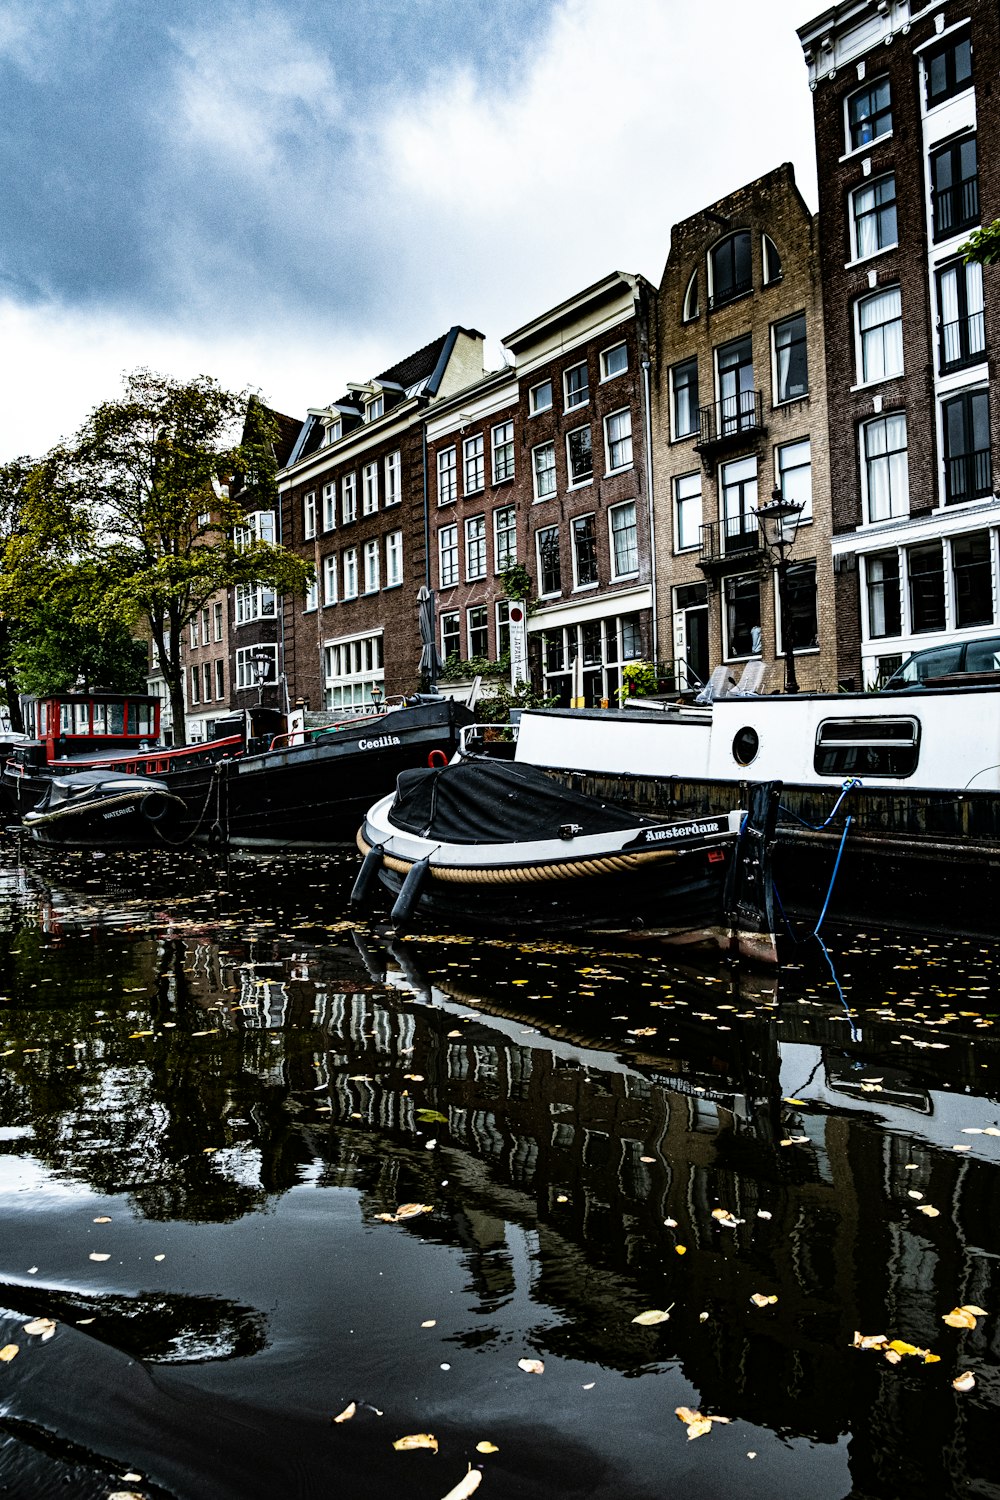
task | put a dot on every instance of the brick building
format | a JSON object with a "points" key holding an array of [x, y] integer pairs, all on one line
{"points": [[352, 501], [739, 411], [908, 148]]}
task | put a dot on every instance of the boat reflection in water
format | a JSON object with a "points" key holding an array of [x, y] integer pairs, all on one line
{"points": [[251, 1088]]}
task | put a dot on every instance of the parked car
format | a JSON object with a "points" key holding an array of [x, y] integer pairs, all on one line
{"points": [[957, 659]]}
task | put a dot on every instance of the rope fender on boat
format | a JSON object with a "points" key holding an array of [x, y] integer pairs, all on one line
{"points": [[122, 800], [604, 864]]}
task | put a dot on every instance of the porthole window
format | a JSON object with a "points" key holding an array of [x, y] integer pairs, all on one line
{"points": [[746, 743]]}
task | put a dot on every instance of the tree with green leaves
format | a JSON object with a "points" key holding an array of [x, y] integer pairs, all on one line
{"points": [[12, 498], [134, 519], [51, 653], [983, 245]]}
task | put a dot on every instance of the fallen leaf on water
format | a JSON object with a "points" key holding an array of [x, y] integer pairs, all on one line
{"points": [[126, 1495], [134, 1034], [670, 1223], [429, 1323], [925, 1208], [647, 1159], [432, 1117], [159, 1257], [590, 1385], [793, 1101], [465, 1487], [411, 1210], [44, 1326], [960, 1317], [681, 1249], [82, 1322], [895, 1350], [762, 1213], [531, 1366], [703, 1317], [99, 1255], [212, 1032], [103, 1219], [912, 1193], [655, 1315], [965, 1381], [347, 1413], [454, 1033], [759, 1300], [697, 1424], [724, 1217], [8, 1352], [487, 1448], [893, 1357], [416, 1440]]}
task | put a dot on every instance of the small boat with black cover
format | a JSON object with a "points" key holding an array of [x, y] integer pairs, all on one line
{"points": [[100, 808]]}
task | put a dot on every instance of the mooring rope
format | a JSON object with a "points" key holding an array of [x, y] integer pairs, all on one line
{"points": [[605, 864]]}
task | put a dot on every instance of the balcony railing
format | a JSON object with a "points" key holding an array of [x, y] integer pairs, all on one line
{"points": [[969, 476], [956, 208], [736, 538], [731, 418], [962, 341]]}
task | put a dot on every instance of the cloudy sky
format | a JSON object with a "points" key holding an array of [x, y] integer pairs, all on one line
{"points": [[291, 194]]}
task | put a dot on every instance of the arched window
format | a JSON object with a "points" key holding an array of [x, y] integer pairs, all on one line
{"points": [[772, 260], [690, 310], [730, 268]]}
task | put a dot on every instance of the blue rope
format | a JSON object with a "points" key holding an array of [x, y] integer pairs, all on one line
{"points": [[855, 1032], [848, 786], [833, 877]]}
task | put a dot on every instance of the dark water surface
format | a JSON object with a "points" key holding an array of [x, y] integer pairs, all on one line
{"points": [[246, 1087]]}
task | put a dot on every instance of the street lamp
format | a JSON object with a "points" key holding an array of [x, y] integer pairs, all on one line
{"points": [[260, 665], [779, 521], [376, 693]]}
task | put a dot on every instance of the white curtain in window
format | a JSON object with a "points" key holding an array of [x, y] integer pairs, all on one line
{"points": [[882, 335], [866, 221]]}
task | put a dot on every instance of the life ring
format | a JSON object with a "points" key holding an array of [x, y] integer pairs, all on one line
{"points": [[437, 759]]}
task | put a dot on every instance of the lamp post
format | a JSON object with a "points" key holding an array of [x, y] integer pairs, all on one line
{"points": [[376, 693], [779, 521], [260, 663]]}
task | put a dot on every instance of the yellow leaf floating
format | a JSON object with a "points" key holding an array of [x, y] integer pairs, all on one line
{"points": [[648, 1319], [347, 1413], [681, 1249], [487, 1448], [893, 1350], [759, 1300], [696, 1423], [41, 1326], [960, 1317], [99, 1255], [465, 1487], [932, 1213], [965, 1381], [8, 1352], [531, 1366], [416, 1440]]}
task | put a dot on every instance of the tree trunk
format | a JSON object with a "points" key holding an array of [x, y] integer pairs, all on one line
{"points": [[14, 707], [177, 710]]}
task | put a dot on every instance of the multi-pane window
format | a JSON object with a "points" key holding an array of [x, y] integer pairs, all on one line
{"points": [[742, 615], [474, 464], [624, 540], [579, 456], [955, 188], [968, 468], [447, 476], [351, 668], [374, 408], [737, 396], [372, 579], [540, 397], [330, 579], [503, 452], [873, 216], [684, 381], [351, 573], [393, 472], [475, 547], [880, 330], [220, 679], [505, 537], [614, 361], [869, 114], [330, 506], [257, 526], [687, 511], [791, 366], [618, 440], [333, 431], [503, 627], [730, 268], [312, 597], [884, 611], [948, 68], [477, 621], [451, 635], [739, 502], [217, 621], [960, 307], [309, 515], [576, 384], [448, 555], [206, 678], [549, 571], [256, 664], [349, 498], [253, 602], [799, 622], [584, 551], [883, 449], [393, 559], [543, 467], [369, 489], [972, 574], [793, 472], [925, 567], [195, 685]]}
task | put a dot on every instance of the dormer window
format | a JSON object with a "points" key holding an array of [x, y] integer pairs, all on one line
{"points": [[772, 260], [690, 310], [729, 267], [374, 408], [334, 431]]}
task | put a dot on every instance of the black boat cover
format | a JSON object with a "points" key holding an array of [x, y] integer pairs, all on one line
{"points": [[497, 802]]}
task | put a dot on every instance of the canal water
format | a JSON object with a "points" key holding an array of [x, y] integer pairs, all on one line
{"points": [[278, 1190]]}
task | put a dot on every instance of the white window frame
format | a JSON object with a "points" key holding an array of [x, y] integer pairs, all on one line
{"points": [[331, 578], [578, 399], [217, 630], [502, 440], [612, 512], [609, 442], [254, 602], [864, 187], [369, 488], [475, 544], [579, 484], [309, 515], [535, 404], [447, 475], [330, 506], [350, 564], [540, 448], [506, 557], [352, 666], [349, 498], [473, 464], [606, 354], [468, 630], [456, 635], [373, 566], [899, 507], [245, 675], [256, 526], [448, 547], [374, 408], [334, 431], [393, 559], [806, 514], [680, 499], [393, 479], [311, 601], [220, 678], [590, 516], [195, 685], [862, 378]]}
